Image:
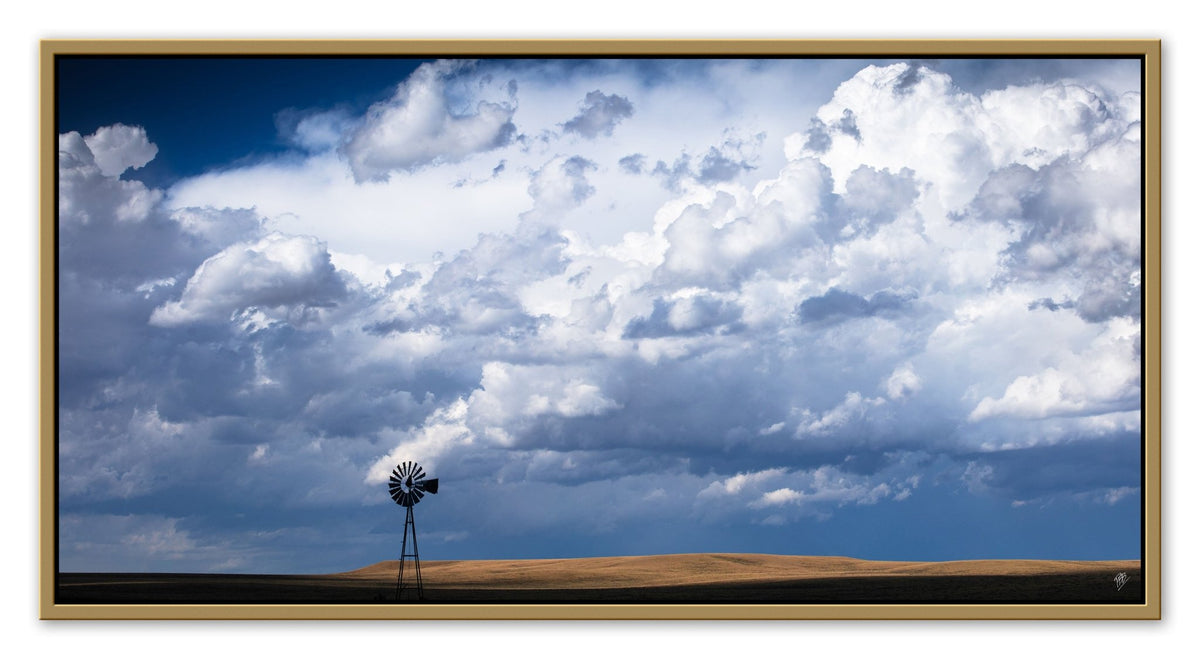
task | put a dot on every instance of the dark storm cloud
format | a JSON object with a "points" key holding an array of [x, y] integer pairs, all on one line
{"points": [[633, 163], [837, 306], [879, 196], [114, 229], [848, 125], [979, 76], [671, 176], [701, 314], [192, 400], [1111, 293], [1051, 305], [599, 114], [818, 137], [872, 199], [909, 78], [715, 167], [1097, 465]]}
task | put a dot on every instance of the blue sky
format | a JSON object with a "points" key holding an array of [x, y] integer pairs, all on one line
{"points": [[882, 309]]}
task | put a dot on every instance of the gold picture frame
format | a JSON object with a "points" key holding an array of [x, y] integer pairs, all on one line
{"points": [[1149, 51]]}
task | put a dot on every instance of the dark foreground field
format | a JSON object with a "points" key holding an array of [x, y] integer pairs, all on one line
{"points": [[685, 578]]}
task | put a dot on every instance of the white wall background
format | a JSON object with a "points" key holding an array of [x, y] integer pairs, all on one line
{"points": [[26, 22]]}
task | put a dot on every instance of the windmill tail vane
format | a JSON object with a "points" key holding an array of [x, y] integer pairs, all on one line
{"points": [[407, 486]]}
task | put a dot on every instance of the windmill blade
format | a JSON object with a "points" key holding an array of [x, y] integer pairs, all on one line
{"points": [[409, 483]]}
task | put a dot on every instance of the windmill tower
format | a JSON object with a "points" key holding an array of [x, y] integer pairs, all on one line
{"points": [[407, 487]]}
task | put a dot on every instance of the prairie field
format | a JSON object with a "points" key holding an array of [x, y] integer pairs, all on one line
{"points": [[679, 578]]}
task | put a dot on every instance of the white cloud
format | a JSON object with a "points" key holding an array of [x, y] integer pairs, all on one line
{"points": [[903, 382], [1103, 378], [977, 477], [91, 193], [442, 432], [852, 408], [903, 109], [558, 186], [780, 495], [218, 227], [418, 127], [509, 394], [119, 147], [1112, 496], [738, 482], [277, 273]]}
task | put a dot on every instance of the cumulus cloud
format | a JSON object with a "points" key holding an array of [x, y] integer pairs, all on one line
{"points": [[314, 131], [779, 494], [963, 137], [119, 147], [903, 382], [560, 185], [510, 391], [689, 314], [918, 292], [441, 432], [599, 114], [91, 192], [1103, 378], [275, 274], [854, 407], [418, 127]]}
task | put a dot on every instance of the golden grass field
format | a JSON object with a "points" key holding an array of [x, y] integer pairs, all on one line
{"points": [[698, 578]]}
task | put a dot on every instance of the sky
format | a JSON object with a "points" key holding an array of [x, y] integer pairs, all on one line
{"points": [[887, 309]]}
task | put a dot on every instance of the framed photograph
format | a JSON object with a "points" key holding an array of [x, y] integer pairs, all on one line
{"points": [[600, 329]]}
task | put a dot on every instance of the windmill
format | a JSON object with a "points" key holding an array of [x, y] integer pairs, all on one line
{"points": [[408, 486]]}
